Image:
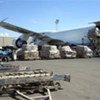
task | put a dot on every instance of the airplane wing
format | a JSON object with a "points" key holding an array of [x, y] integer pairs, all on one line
{"points": [[24, 31], [39, 36]]}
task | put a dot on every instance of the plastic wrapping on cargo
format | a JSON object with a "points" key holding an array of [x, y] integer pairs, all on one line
{"points": [[83, 51], [67, 52], [49, 52], [28, 52]]}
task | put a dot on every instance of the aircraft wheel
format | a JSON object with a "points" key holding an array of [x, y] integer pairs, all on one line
{"points": [[57, 86], [5, 59]]}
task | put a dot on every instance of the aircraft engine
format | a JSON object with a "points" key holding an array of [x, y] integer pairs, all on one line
{"points": [[19, 42]]}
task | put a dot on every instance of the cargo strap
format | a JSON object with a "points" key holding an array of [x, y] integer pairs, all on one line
{"points": [[46, 97]]}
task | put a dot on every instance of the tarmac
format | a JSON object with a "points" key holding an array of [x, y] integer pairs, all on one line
{"points": [[85, 77]]}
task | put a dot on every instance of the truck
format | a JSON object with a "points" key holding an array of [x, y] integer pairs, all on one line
{"points": [[49, 52], [67, 52], [7, 53]]}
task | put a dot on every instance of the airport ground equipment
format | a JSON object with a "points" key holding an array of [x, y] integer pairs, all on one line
{"points": [[49, 52], [67, 52], [46, 96], [7, 53], [31, 81], [83, 51], [94, 37], [97, 52], [4, 55], [28, 52], [8, 67]]}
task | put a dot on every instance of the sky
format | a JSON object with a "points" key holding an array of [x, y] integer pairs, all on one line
{"points": [[40, 15]]}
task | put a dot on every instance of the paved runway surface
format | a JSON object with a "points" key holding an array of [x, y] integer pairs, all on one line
{"points": [[85, 77]]}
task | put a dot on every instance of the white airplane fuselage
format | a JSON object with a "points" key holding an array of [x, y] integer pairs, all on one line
{"points": [[75, 36]]}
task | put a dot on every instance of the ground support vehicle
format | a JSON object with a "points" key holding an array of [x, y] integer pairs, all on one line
{"points": [[4, 58], [95, 41], [3, 55], [97, 52], [30, 81], [7, 53]]}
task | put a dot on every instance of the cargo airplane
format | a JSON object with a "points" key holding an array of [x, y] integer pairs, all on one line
{"points": [[71, 37]]}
